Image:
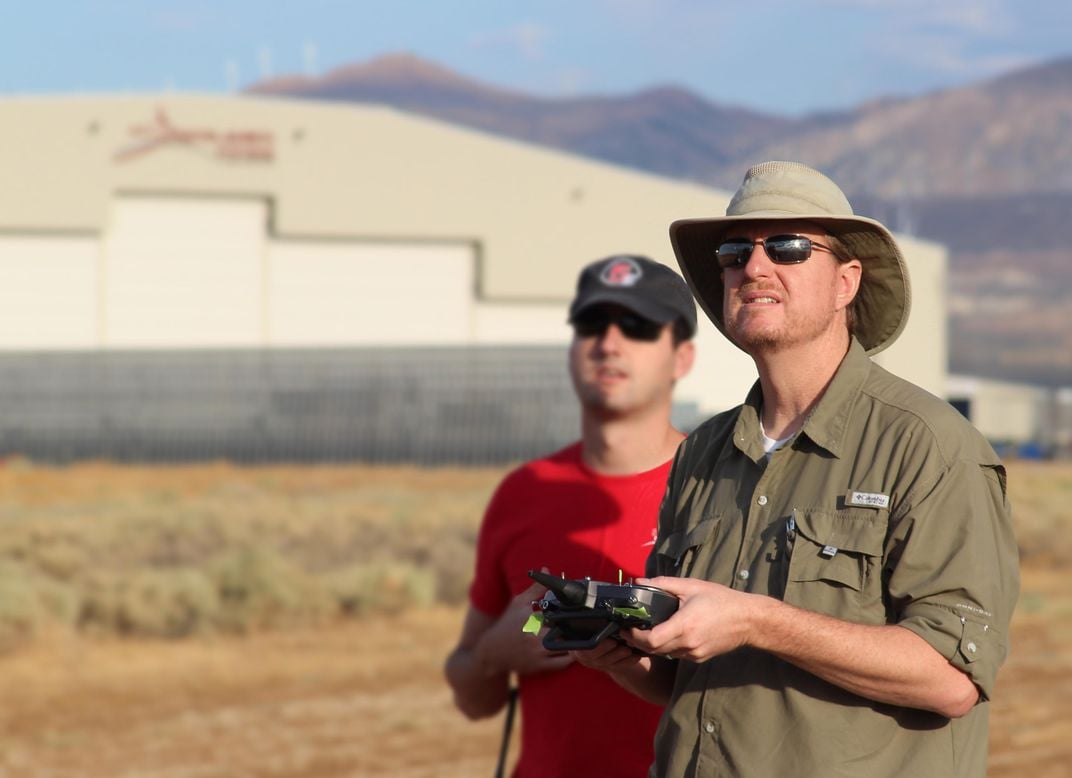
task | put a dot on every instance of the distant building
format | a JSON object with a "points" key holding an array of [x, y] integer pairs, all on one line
{"points": [[1017, 418], [201, 227], [1062, 422]]}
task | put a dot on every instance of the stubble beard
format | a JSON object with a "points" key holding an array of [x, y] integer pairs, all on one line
{"points": [[602, 405], [777, 337]]}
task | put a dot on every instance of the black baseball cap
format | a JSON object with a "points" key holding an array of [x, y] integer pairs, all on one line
{"points": [[642, 285]]}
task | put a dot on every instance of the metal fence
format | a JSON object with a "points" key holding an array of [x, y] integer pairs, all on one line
{"points": [[466, 405]]}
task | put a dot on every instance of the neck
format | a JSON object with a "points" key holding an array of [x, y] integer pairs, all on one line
{"points": [[793, 381], [623, 446]]}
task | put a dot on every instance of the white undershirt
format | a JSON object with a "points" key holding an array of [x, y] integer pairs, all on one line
{"points": [[770, 445]]}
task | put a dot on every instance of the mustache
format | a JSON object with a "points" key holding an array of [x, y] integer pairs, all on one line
{"points": [[755, 286]]}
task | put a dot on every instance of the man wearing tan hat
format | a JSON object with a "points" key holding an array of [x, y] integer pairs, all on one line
{"points": [[841, 543]]}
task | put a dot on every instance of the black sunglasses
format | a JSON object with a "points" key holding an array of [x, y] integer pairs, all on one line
{"points": [[596, 321], [782, 249]]}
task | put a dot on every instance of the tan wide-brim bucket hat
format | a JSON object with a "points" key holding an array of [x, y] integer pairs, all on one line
{"points": [[783, 191]]}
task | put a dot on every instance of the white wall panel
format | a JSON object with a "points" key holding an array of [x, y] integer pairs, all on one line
{"points": [[543, 323], [323, 293], [721, 375], [920, 353], [184, 272], [48, 292]]}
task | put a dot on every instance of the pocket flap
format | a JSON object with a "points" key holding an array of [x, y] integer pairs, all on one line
{"points": [[844, 569], [862, 531], [676, 543]]}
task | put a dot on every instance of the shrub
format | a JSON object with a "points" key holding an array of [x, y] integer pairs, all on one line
{"points": [[151, 602], [19, 615], [381, 587], [258, 588], [29, 601]]}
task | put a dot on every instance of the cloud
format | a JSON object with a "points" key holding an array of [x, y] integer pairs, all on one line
{"points": [[948, 62], [943, 38], [974, 17], [183, 18], [528, 38], [963, 18]]}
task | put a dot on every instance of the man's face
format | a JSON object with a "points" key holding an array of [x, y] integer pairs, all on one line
{"points": [[770, 307], [615, 375]]}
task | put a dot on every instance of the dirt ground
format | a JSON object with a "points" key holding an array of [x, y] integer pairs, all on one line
{"points": [[368, 700], [352, 700]]}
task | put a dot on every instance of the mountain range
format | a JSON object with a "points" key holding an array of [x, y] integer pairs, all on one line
{"points": [[985, 169]]}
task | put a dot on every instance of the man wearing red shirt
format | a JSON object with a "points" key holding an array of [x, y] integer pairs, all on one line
{"points": [[588, 510]]}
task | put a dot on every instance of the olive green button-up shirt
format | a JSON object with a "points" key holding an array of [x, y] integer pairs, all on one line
{"points": [[886, 508]]}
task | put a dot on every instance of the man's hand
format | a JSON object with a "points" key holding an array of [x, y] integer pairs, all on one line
{"points": [[884, 662], [489, 649], [649, 678], [711, 620], [504, 647], [612, 656]]}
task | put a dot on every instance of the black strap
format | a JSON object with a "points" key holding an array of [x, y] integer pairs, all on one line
{"points": [[508, 726]]}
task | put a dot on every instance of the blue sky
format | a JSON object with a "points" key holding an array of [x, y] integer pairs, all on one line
{"points": [[775, 55]]}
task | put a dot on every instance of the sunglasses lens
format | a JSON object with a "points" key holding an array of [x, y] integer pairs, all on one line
{"points": [[734, 253], [788, 249], [591, 323], [595, 324], [783, 249], [638, 328]]}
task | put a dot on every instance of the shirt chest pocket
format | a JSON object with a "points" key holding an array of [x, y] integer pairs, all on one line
{"points": [[676, 553], [835, 563]]}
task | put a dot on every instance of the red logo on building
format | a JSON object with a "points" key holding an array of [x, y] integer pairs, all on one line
{"points": [[237, 145]]}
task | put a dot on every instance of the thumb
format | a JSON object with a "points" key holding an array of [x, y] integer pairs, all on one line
{"points": [[679, 587]]}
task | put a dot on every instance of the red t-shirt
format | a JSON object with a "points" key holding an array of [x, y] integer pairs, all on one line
{"points": [[558, 513]]}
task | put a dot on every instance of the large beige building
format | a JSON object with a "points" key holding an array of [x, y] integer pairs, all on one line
{"points": [[183, 221]]}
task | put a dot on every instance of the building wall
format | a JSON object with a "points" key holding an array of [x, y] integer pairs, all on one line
{"points": [[1005, 412], [1060, 413], [921, 354], [49, 296], [345, 293], [175, 222], [182, 272]]}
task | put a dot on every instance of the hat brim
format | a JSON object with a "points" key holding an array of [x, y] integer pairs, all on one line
{"points": [[882, 303]]}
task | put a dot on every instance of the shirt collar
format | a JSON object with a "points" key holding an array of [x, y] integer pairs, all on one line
{"points": [[828, 421], [746, 433]]}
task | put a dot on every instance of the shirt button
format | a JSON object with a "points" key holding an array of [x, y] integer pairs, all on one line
{"points": [[709, 727], [762, 499], [971, 648], [743, 575]]}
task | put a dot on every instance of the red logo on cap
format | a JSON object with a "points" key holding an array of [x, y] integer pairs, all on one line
{"points": [[621, 272]]}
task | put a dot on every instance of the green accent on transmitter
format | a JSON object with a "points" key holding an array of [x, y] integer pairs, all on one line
{"points": [[533, 623]]}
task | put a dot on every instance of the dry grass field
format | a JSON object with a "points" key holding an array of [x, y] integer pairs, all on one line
{"points": [[214, 620]]}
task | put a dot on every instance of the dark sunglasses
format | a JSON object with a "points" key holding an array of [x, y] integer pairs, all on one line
{"points": [[595, 322], [782, 249]]}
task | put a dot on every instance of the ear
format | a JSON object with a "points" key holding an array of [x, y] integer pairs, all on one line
{"points": [[684, 356], [849, 275]]}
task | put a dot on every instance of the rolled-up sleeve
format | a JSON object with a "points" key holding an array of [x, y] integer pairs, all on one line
{"points": [[953, 568]]}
